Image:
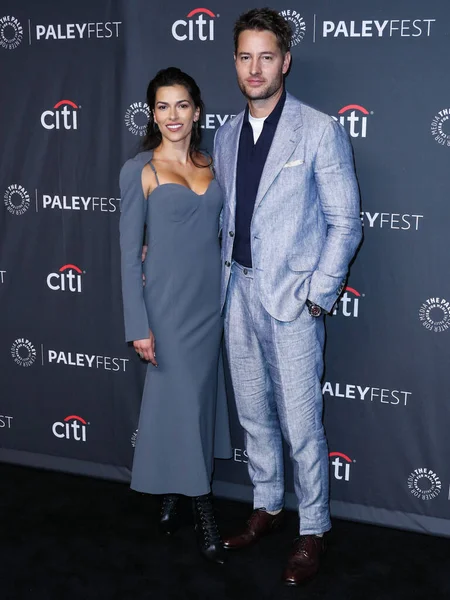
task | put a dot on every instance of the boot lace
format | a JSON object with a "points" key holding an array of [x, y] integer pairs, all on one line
{"points": [[208, 523]]}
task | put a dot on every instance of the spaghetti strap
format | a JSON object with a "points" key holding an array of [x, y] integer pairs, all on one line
{"points": [[211, 166], [154, 171]]}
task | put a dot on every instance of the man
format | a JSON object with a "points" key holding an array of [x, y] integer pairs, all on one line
{"points": [[291, 226]]}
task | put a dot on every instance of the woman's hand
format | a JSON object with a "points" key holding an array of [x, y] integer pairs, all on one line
{"points": [[146, 348]]}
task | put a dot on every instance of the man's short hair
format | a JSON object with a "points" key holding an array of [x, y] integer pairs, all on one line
{"points": [[264, 19]]}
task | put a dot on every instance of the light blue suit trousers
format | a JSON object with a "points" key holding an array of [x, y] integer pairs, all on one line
{"points": [[276, 367]]}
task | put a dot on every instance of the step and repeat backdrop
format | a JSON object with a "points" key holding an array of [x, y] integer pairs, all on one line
{"points": [[72, 110]]}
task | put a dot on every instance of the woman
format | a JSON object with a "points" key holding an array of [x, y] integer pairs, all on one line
{"points": [[174, 319]]}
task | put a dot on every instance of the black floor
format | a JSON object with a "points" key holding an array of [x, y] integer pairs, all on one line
{"points": [[64, 537]]}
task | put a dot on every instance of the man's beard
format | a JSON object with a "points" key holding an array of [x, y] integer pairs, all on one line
{"points": [[261, 94]]}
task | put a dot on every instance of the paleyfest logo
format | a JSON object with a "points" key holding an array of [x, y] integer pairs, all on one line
{"points": [[11, 32], [387, 28], [297, 23], [440, 127], [78, 31], [435, 314], [201, 28], [17, 201]]}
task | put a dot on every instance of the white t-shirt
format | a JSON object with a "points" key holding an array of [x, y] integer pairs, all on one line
{"points": [[257, 126]]}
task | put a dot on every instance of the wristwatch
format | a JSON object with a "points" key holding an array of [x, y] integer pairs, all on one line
{"points": [[314, 309]]}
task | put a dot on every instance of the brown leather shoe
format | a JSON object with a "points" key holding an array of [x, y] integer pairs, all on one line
{"points": [[260, 523], [304, 561]]}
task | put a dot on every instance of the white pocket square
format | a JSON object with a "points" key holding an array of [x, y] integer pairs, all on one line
{"points": [[293, 163]]}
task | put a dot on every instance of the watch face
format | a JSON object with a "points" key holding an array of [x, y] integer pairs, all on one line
{"points": [[315, 310]]}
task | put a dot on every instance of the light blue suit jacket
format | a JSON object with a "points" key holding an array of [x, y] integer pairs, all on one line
{"points": [[306, 222]]}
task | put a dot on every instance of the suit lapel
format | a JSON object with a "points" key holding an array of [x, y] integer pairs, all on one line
{"points": [[285, 140], [231, 160]]}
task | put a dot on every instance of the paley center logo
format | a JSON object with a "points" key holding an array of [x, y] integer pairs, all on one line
{"points": [[136, 118], [199, 28], [354, 118], [440, 127], [11, 32], [16, 198], [72, 428], [348, 305], [387, 28], [23, 352], [341, 464], [134, 437], [63, 116], [297, 23], [67, 279], [423, 483], [365, 393], [434, 314]]}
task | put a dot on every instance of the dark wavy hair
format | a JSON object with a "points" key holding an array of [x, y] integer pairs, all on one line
{"points": [[165, 78], [264, 19]]}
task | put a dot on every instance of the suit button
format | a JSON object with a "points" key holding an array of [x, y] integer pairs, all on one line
{"points": [[245, 271], [227, 263], [231, 233]]}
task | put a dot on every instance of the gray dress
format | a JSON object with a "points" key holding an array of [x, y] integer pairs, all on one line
{"points": [[183, 422]]}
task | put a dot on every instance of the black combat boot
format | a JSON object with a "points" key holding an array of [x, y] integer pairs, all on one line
{"points": [[208, 536], [170, 519]]}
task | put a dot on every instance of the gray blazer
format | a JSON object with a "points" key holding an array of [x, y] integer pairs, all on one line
{"points": [[306, 222]]}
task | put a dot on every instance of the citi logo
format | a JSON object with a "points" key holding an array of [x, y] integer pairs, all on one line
{"points": [[72, 428], [348, 305], [354, 118], [63, 116], [68, 279], [200, 28], [341, 463]]}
